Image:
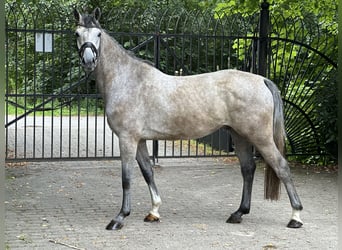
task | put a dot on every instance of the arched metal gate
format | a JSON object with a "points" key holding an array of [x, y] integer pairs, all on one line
{"points": [[54, 112]]}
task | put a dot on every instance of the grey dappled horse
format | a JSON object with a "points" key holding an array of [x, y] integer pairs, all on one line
{"points": [[142, 103]]}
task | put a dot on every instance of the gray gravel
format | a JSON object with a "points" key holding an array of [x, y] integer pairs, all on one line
{"points": [[66, 205]]}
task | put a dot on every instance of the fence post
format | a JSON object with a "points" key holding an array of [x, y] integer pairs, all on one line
{"points": [[2, 121], [263, 38], [263, 45]]}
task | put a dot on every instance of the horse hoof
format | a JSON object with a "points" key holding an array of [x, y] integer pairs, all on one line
{"points": [[294, 224], [234, 219], [114, 225], [151, 218]]}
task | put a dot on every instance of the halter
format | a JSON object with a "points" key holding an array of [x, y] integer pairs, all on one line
{"points": [[92, 47]]}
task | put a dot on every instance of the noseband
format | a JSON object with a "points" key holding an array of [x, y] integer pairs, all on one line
{"points": [[91, 46]]}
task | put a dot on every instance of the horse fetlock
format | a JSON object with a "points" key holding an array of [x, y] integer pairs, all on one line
{"points": [[243, 210], [295, 221], [297, 207]]}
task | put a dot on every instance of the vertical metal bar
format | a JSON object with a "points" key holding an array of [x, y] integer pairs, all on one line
{"points": [[16, 93], [3, 41], [69, 134], [6, 90], [237, 55], [104, 134], [25, 93], [87, 122], [263, 43], [263, 38], [67, 45], [180, 148], [35, 60], [254, 57], [112, 145], [42, 96], [190, 53], [78, 125], [96, 128], [189, 147]]}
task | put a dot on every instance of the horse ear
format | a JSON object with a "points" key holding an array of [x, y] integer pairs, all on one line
{"points": [[77, 15], [97, 13]]}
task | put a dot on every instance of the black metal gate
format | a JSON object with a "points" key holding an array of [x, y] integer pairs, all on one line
{"points": [[54, 112]]}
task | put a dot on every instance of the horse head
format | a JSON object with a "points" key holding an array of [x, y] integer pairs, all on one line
{"points": [[88, 33]]}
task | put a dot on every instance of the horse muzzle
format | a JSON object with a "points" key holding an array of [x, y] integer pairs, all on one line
{"points": [[88, 55]]}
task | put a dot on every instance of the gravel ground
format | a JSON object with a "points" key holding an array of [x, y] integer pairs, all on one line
{"points": [[66, 205]]}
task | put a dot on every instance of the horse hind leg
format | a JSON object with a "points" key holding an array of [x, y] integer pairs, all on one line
{"points": [[147, 171], [277, 162], [244, 152]]}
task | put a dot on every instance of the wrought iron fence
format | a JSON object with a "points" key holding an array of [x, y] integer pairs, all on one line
{"points": [[54, 112]]}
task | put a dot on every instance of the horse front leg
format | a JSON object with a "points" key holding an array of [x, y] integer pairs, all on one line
{"points": [[128, 149], [145, 165], [244, 152]]}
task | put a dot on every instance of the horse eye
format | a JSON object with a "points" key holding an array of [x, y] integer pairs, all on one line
{"points": [[77, 34], [98, 35]]}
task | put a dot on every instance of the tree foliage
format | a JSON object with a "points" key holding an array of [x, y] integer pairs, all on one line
{"points": [[295, 67]]}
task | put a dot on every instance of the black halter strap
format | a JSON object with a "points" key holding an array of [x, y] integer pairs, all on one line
{"points": [[88, 45]]}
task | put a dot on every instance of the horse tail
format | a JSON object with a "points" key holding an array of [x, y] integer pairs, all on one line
{"points": [[272, 182]]}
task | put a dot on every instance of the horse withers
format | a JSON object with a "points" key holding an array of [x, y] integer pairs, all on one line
{"points": [[142, 103]]}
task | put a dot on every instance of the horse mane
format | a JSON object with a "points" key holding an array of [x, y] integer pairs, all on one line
{"points": [[130, 53]]}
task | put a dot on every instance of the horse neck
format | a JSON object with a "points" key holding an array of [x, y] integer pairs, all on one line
{"points": [[113, 61]]}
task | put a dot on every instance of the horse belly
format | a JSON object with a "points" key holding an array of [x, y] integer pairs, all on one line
{"points": [[187, 122], [181, 132]]}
